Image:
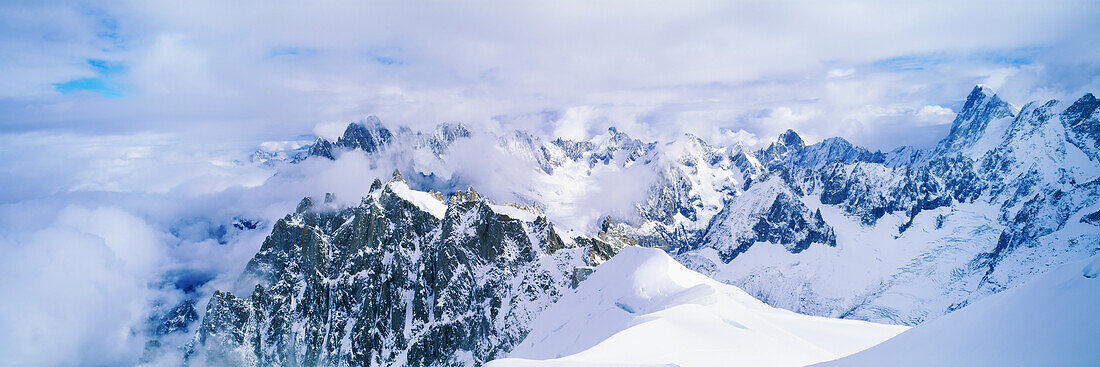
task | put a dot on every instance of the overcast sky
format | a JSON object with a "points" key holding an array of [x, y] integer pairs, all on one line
{"points": [[237, 73], [118, 95]]}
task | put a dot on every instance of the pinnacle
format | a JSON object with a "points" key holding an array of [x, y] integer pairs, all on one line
{"points": [[305, 205], [791, 139], [469, 195]]}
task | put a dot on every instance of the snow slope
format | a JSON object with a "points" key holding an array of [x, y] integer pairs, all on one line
{"points": [[644, 308], [1053, 320], [423, 200]]}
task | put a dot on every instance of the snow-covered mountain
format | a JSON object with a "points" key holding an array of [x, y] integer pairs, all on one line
{"points": [[644, 308], [404, 278], [1005, 196], [826, 229], [829, 228]]}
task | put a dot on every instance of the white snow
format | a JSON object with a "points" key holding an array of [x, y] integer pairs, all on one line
{"points": [[422, 200], [515, 213], [1092, 270], [643, 308], [904, 275], [1054, 320]]}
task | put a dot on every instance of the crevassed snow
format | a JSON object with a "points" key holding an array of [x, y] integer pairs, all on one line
{"points": [[1054, 320], [644, 308], [421, 199]]}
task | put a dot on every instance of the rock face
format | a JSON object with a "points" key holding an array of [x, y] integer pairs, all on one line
{"points": [[1082, 122], [774, 214], [401, 279], [982, 107]]}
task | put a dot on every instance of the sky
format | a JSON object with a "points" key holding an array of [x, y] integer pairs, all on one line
{"points": [[123, 123], [87, 86]]}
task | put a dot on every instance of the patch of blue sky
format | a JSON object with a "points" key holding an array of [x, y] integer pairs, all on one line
{"points": [[1015, 57], [98, 86], [291, 51], [104, 84], [912, 62], [107, 68], [1020, 56], [387, 60]]}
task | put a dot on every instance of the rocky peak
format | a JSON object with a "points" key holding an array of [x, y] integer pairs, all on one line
{"points": [[981, 108], [791, 140], [448, 132], [322, 148], [389, 283], [397, 177], [469, 195], [785, 147], [1082, 123], [574, 150], [304, 206], [606, 148], [833, 150], [618, 136], [1080, 110], [439, 139], [1033, 113], [367, 135]]}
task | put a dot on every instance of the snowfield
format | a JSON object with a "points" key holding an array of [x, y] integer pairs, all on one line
{"points": [[644, 308], [1053, 320]]}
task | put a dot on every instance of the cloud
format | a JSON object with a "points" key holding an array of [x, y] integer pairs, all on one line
{"points": [[840, 73], [935, 114], [573, 124], [76, 292], [267, 71]]}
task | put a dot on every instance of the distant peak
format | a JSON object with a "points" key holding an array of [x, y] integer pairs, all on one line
{"points": [[791, 139], [837, 141], [371, 122], [451, 126], [981, 107], [984, 98], [367, 135], [397, 177], [617, 135], [305, 205], [979, 94], [1087, 98], [1080, 111]]}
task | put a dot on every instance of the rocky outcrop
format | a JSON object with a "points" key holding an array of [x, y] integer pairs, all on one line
{"points": [[396, 280]]}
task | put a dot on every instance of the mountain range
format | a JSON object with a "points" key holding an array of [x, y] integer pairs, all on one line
{"points": [[827, 229]]}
